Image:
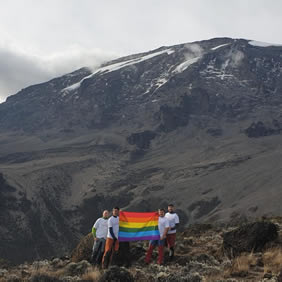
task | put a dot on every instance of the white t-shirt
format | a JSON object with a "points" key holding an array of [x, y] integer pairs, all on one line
{"points": [[173, 219], [101, 226], [114, 223], [163, 224]]}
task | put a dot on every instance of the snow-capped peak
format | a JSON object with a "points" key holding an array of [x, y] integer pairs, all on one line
{"points": [[117, 66], [263, 44]]}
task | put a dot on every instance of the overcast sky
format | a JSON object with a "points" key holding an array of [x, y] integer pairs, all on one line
{"points": [[42, 39]]}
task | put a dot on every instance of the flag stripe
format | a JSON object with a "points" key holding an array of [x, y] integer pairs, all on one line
{"points": [[136, 219], [147, 228], [139, 214], [137, 224], [139, 234], [124, 239]]}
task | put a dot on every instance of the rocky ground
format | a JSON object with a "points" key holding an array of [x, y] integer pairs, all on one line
{"points": [[245, 252]]}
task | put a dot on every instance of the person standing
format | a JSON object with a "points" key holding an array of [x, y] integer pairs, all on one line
{"points": [[99, 231], [112, 243], [163, 225], [173, 224]]}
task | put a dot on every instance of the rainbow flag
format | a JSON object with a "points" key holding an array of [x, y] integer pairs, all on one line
{"points": [[135, 226]]}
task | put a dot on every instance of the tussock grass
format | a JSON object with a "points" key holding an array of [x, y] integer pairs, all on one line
{"points": [[241, 265], [272, 260], [93, 275], [43, 275]]}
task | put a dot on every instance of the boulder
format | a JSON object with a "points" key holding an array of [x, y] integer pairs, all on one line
{"points": [[116, 274], [259, 129], [83, 250], [79, 268], [124, 257], [249, 237]]}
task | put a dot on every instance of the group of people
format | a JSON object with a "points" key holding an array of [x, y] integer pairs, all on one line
{"points": [[105, 232]]}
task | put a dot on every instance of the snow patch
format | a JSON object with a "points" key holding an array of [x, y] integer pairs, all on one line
{"points": [[263, 44], [223, 76], [156, 84], [74, 86], [183, 66], [217, 47], [160, 82], [170, 51], [117, 66]]}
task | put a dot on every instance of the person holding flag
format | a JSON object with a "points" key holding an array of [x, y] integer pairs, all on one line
{"points": [[163, 227]]}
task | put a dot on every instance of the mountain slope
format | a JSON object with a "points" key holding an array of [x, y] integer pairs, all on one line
{"points": [[196, 124]]}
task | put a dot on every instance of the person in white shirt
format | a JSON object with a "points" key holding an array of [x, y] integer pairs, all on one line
{"points": [[112, 243], [163, 225], [99, 231], [171, 235]]}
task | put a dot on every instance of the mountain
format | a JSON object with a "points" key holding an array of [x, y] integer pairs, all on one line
{"points": [[196, 124]]}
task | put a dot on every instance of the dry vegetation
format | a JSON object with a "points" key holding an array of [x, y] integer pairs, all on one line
{"points": [[273, 260], [241, 265], [92, 275], [199, 257]]}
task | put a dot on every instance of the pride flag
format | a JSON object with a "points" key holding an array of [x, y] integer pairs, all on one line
{"points": [[135, 226]]}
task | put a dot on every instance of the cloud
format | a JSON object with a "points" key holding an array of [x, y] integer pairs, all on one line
{"points": [[193, 50], [236, 58], [20, 68], [128, 26]]}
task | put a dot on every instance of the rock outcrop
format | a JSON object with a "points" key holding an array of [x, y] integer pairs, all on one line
{"points": [[249, 238]]}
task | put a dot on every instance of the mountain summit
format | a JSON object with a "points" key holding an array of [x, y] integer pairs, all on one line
{"points": [[196, 124]]}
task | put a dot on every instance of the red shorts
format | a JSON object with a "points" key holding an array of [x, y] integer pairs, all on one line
{"points": [[170, 239]]}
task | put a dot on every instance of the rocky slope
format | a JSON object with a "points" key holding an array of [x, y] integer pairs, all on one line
{"points": [[202, 254], [195, 124]]}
